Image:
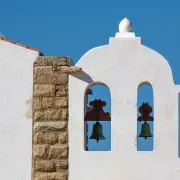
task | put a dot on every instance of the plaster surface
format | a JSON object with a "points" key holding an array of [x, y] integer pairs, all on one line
{"points": [[16, 77], [123, 65]]}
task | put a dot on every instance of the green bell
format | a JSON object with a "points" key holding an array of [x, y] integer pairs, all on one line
{"points": [[145, 131], [97, 133]]}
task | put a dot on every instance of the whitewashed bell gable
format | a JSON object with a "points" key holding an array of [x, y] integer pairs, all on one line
{"points": [[123, 65]]}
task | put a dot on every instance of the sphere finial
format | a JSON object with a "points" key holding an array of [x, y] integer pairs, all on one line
{"points": [[125, 25]]}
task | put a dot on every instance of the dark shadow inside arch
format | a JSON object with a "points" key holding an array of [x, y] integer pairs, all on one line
{"points": [[145, 117], [97, 118]]}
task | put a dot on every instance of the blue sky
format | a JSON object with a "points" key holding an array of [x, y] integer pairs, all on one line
{"points": [[70, 28]]}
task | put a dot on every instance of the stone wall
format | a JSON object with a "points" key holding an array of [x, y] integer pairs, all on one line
{"points": [[50, 119]]}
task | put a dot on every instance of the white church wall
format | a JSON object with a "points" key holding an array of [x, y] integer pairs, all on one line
{"points": [[16, 79]]}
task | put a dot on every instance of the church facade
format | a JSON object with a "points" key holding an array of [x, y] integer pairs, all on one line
{"points": [[44, 113]]}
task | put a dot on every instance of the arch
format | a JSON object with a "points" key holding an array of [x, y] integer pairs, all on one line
{"points": [[145, 117], [97, 94], [145, 83], [96, 83]]}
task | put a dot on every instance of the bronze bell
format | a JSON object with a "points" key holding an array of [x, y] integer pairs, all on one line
{"points": [[97, 133], [145, 131]]}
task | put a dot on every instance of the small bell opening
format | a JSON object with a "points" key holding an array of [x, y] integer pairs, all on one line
{"points": [[145, 117], [97, 118]]}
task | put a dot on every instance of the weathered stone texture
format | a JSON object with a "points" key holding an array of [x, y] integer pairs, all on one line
{"points": [[46, 75], [44, 90], [52, 61], [50, 118], [63, 137], [37, 103], [48, 114], [56, 102], [51, 176], [53, 114], [50, 126], [46, 137], [69, 70], [47, 102], [40, 151], [61, 90], [61, 101], [64, 114], [58, 152], [44, 166], [61, 165]]}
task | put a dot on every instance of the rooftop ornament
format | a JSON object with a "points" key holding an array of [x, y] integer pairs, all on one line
{"points": [[125, 29]]}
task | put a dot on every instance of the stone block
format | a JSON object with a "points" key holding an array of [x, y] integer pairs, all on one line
{"points": [[63, 137], [61, 102], [50, 126], [46, 75], [52, 61], [69, 70], [64, 114], [45, 137], [61, 165], [37, 103], [61, 90], [44, 90], [44, 166], [48, 102], [47, 114], [40, 151], [56, 102], [58, 151], [51, 176]]}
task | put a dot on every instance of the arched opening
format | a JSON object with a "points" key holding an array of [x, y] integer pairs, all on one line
{"points": [[145, 117], [97, 118]]}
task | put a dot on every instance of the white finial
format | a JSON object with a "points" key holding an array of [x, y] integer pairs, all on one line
{"points": [[125, 29], [125, 25]]}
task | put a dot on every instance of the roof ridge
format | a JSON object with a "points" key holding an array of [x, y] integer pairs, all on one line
{"points": [[22, 45]]}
